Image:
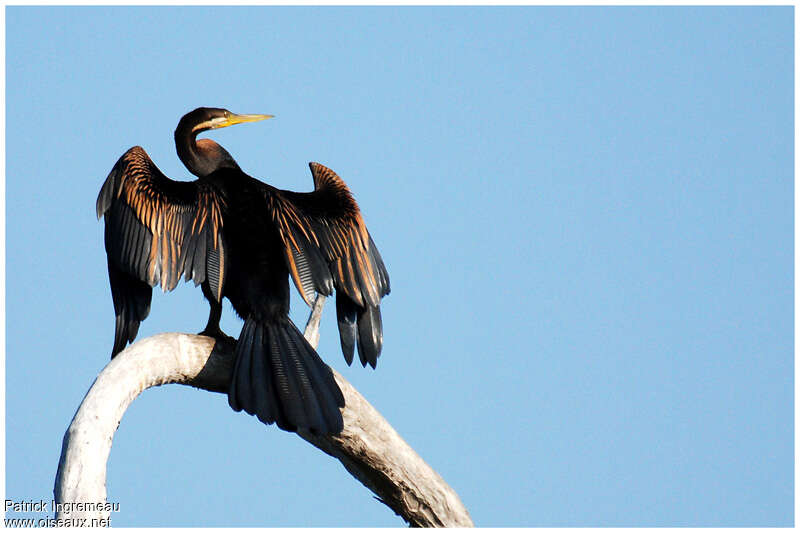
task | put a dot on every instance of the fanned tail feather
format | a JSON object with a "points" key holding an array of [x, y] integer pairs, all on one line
{"points": [[280, 378]]}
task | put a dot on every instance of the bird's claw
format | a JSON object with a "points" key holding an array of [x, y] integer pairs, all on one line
{"points": [[219, 336]]}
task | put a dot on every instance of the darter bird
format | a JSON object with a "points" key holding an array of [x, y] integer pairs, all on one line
{"points": [[242, 239]]}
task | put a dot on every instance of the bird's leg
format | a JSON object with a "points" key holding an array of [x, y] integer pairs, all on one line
{"points": [[212, 328]]}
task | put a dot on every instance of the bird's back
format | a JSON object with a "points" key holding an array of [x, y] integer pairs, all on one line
{"points": [[257, 281]]}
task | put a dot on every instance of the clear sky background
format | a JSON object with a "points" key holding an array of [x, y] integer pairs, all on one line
{"points": [[586, 213]]}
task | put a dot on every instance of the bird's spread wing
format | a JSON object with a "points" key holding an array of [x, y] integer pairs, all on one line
{"points": [[156, 230], [327, 246]]}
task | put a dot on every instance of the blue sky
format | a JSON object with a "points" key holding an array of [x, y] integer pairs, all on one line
{"points": [[586, 213]]}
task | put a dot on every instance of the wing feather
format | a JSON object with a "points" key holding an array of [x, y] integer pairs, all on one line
{"points": [[326, 247], [159, 230], [326, 226]]}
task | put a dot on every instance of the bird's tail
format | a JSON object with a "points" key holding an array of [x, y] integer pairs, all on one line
{"points": [[280, 378]]}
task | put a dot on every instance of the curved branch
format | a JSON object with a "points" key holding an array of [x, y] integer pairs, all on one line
{"points": [[368, 447]]}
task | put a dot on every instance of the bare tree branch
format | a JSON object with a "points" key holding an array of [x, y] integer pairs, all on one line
{"points": [[368, 447]]}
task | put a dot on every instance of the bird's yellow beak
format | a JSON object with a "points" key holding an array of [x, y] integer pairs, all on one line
{"points": [[233, 118]]}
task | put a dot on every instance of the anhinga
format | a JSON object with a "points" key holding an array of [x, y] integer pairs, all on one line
{"points": [[242, 239]]}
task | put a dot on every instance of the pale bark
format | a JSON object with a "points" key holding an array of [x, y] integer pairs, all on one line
{"points": [[368, 447]]}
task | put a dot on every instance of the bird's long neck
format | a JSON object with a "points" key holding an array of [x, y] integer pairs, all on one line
{"points": [[196, 160], [201, 157]]}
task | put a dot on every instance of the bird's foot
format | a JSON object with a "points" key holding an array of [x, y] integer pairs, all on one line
{"points": [[218, 335]]}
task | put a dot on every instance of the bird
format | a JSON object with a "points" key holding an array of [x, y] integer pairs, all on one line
{"points": [[242, 239]]}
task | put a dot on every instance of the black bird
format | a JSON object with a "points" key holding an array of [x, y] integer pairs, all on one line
{"points": [[241, 239]]}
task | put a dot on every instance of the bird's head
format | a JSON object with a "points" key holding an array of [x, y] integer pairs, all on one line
{"points": [[210, 118], [205, 156]]}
